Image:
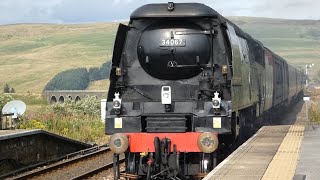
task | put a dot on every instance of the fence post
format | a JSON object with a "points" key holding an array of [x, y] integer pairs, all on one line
{"points": [[103, 109]]}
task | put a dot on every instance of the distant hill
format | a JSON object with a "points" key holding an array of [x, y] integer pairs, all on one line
{"points": [[32, 54]]}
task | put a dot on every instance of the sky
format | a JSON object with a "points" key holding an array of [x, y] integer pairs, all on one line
{"points": [[89, 11]]}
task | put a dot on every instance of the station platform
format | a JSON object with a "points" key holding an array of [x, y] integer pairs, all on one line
{"points": [[274, 153], [21, 149], [4, 134]]}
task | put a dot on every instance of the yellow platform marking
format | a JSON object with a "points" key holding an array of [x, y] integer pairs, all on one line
{"points": [[283, 164]]}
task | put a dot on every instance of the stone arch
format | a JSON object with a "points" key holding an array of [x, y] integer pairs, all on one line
{"points": [[78, 99], [53, 100], [61, 99]]}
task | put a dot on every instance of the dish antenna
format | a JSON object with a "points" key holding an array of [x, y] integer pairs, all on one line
{"points": [[15, 107]]}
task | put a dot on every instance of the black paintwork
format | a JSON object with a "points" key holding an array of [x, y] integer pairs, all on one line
{"points": [[194, 52], [180, 10]]}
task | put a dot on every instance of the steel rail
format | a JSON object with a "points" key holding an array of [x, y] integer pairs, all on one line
{"points": [[96, 171], [71, 159]]}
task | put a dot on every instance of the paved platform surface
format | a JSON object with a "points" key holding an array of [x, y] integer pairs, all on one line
{"points": [[17, 133], [271, 154], [6, 134], [309, 160]]}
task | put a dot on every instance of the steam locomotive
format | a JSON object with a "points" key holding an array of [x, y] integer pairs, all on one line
{"points": [[186, 84]]}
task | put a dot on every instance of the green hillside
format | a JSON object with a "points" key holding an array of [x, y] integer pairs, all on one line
{"points": [[31, 54]]}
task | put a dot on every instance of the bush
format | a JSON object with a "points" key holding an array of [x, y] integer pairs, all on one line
{"points": [[6, 88], [87, 106], [77, 120], [32, 124], [314, 113], [4, 98]]}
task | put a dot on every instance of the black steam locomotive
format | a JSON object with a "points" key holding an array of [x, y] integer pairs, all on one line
{"points": [[186, 83]]}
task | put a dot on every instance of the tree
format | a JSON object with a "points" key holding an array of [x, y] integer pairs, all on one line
{"points": [[12, 90], [6, 88], [78, 79], [105, 70], [73, 79], [94, 74]]}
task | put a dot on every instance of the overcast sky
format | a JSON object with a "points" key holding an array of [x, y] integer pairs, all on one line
{"points": [[83, 11]]}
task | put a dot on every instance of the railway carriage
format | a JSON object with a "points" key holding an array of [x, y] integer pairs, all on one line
{"points": [[186, 85]]}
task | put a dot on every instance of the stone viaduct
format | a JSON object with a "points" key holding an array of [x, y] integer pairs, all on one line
{"points": [[61, 95]]}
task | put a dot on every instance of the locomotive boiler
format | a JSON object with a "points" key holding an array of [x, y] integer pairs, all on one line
{"points": [[186, 84]]}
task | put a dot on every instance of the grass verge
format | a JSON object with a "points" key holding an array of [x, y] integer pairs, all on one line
{"points": [[75, 120]]}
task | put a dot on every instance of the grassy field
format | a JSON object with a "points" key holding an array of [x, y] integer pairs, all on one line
{"points": [[77, 120], [31, 54], [101, 85]]}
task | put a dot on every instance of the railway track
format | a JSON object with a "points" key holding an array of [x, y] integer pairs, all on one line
{"points": [[100, 172], [83, 164]]}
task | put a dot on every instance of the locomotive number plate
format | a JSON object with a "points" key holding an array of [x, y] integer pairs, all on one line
{"points": [[172, 42]]}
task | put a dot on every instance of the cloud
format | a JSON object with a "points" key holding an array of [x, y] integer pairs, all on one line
{"points": [[78, 11], [20, 11]]}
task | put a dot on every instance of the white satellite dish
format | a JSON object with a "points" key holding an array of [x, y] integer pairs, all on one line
{"points": [[16, 107]]}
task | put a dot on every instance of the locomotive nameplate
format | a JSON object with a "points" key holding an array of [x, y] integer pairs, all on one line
{"points": [[172, 42], [217, 122]]}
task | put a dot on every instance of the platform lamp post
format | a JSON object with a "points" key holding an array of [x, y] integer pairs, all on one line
{"points": [[308, 66]]}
